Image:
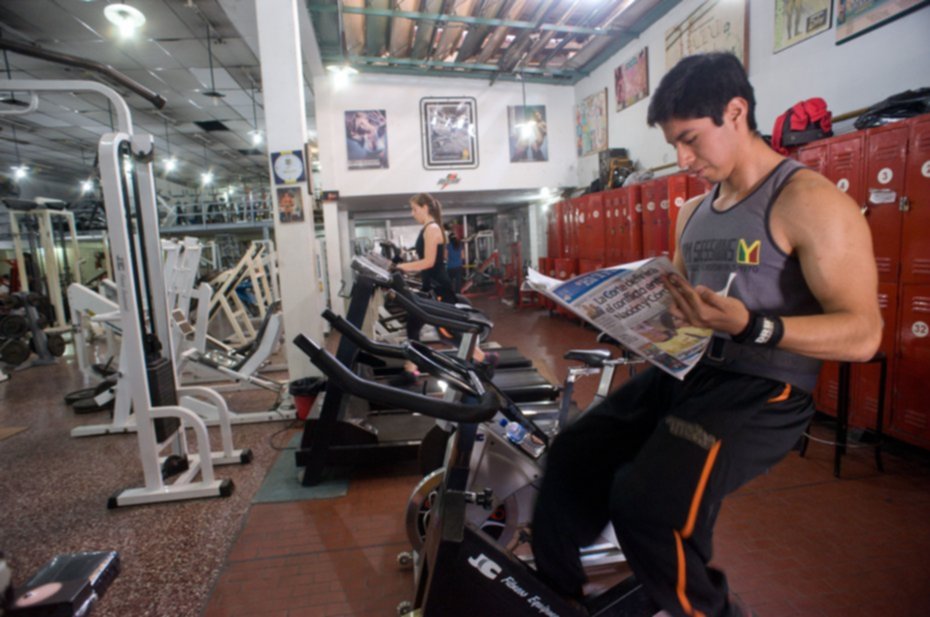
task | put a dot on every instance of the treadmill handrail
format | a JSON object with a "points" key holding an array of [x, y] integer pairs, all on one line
{"points": [[480, 411], [434, 319], [358, 337]]}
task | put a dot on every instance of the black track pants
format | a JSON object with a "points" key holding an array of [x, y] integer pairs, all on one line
{"points": [[656, 460]]}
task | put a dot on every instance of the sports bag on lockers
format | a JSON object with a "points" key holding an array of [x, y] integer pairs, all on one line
{"points": [[805, 122]]}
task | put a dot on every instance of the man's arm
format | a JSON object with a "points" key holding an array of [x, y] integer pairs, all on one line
{"points": [[824, 228]]}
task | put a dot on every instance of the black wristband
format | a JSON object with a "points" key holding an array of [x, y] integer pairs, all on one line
{"points": [[743, 335], [762, 330]]}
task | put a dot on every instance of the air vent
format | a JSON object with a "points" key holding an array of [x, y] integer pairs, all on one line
{"points": [[212, 125]]}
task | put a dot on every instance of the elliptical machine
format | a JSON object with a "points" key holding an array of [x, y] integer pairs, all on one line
{"points": [[463, 571]]}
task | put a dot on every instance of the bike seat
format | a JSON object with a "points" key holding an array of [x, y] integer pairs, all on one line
{"points": [[590, 357]]}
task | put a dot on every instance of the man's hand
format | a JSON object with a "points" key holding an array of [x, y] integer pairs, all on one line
{"points": [[704, 308]]}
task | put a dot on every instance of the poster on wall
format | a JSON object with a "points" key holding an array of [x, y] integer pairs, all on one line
{"points": [[288, 167], [858, 17], [366, 139], [591, 123], [716, 25], [449, 132], [799, 20], [528, 133], [290, 205], [631, 80]]}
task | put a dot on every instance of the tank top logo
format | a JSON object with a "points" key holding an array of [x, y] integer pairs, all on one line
{"points": [[748, 254]]}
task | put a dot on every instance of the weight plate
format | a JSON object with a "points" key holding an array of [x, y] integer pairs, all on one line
{"points": [[14, 352]]}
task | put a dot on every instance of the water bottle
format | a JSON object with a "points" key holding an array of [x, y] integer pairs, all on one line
{"points": [[514, 431]]}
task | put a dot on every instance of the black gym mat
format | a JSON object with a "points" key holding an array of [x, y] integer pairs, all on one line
{"points": [[282, 482]]}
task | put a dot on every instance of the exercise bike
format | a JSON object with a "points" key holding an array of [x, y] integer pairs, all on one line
{"points": [[463, 571]]}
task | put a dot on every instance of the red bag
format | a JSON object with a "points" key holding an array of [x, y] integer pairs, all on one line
{"points": [[805, 122]]}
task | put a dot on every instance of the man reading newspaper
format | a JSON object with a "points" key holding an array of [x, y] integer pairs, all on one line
{"points": [[657, 458]]}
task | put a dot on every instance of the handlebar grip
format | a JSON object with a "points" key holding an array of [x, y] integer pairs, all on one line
{"points": [[480, 411], [355, 335], [434, 319]]}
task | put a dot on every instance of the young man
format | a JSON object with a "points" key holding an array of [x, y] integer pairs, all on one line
{"points": [[657, 458]]}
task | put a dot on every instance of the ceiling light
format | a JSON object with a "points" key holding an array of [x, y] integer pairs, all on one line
{"points": [[256, 137], [170, 164], [19, 172], [87, 186], [341, 73], [206, 178], [126, 18], [255, 132]]}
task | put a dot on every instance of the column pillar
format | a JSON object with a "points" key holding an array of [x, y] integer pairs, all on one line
{"points": [[286, 130]]}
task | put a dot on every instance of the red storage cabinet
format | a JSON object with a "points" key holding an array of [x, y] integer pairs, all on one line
{"points": [[631, 218], [915, 245], [910, 417], [814, 155], [884, 186], [565, 215], [553, 232], [573, 231], [591, 227], [614, 201], [655, 217], [845, 165], [681, 188], [589, 265]]}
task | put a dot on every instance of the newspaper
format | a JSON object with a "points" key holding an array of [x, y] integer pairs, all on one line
{"points": [[631, 303]]}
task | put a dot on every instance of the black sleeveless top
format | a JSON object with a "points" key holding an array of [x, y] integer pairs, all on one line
{"points": [[435, 278]]}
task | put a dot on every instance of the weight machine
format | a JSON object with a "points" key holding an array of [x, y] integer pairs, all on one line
{"points": [[132, 222], [38, 220]]}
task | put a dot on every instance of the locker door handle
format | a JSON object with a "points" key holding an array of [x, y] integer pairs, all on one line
{"points": [[904, 204]]}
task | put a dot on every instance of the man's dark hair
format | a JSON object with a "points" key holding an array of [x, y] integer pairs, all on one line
{"points": [[700, 86]]}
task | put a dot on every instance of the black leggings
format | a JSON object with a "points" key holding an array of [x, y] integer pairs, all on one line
{"points": [[656, 459]]}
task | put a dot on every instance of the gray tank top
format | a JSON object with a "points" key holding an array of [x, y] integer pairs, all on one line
{"points": [[715, 244]]}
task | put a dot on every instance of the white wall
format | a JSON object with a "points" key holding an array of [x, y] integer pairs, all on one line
{"points": [[400, 98], [856, 74]]}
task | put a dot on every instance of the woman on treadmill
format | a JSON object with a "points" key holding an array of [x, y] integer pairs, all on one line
{"points": [[430, 263]]}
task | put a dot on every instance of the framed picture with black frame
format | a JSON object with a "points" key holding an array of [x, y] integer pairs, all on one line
{"points": [[449, 132]]}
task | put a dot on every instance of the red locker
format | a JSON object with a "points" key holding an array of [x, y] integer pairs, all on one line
{"points": [[589, 265], [631, 217], [910, 417], [565, 214], [655, 217], [591, 236], [681, 188], [613, 205], [884, 187], [845, 164], [814, 155], [565, 268], [553, 232], [863, 404], [574, 232], [915, 245]]}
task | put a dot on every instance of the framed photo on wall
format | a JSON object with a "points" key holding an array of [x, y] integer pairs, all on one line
{"points": [[855, 18], [449, 132], [799, 20], [591, 123], [527, 133], [716, 25], [631, 80], [366, 139]]}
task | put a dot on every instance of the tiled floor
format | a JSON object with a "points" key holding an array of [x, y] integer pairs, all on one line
{"points": [[796, 542]]}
